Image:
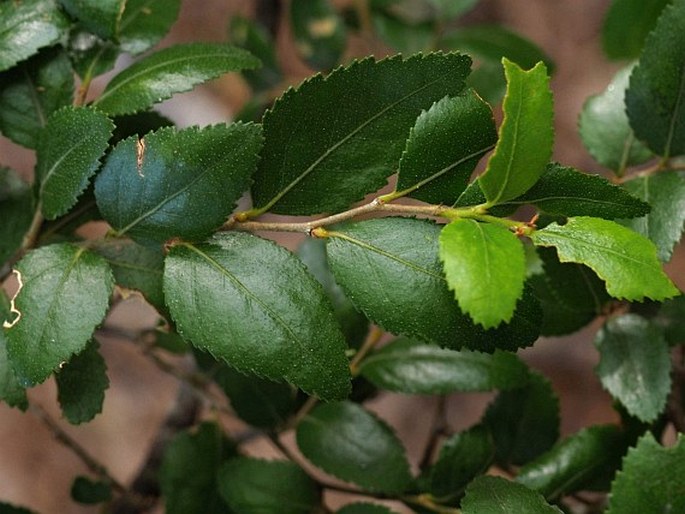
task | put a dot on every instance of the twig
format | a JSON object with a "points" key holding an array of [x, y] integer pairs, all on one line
{"points": [[372, 339], [439, 428]]}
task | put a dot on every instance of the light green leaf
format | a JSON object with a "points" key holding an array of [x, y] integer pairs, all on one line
{"points": [[635, 364], [252, 303], [27, 26], [11, 391], [665, 192], [81, 385], [169, 71], [525, 136], [64, 295], [350, 443], [651, 479], [68, 153], [655, 99], [626, 26], [268, 487], [145, 22], [16, 212], [327, 131], [444, 147], [485, 267], [177, 183], [408, 366], [319, 33], [496, 495], [625, 260], [101, 17]]}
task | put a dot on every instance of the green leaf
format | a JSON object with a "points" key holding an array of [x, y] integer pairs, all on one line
{"points": [[604, 126], [89, 492], [252, 303], [525, 136], [6, 508], [255, 38], [449, 9], [462, 457], [671, 318], [635, 364], [524, 422], [651, 479], [169, 71], [350, 443], [585, 460], [145, 22], [655, 98], [64, 294], [100, 17], [27, 26], [16, 212], [402, 36], [496, 495], [408, 366], [327, 131], [177, 183], [188, 472], [665, 192], [444, 147], [364, 508], [68, 153], [32, 91], [319, 32], [91, 56], [139, 124], [626, 26], [625, 260], [11, 391]]}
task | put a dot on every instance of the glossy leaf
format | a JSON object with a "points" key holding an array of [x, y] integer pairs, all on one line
{"points": [[626, 26], [604, 126], [90, 492], [90, 55], [655, 99], [32, 91], [64, 295], [444, 147], [635, 364], [496, 495], [327, 130], [625, 260], [169, 71], [16, 212], [68, 153], [27, 26], [319, 32], [101, 17], [665, 192], [651, 479], [268, 487], [81, 385], [525, 136], [252, 303], [364, 508], [350, 443], [408, 366], [11, 391], [177, 183], [145, 22], [253, 37]]}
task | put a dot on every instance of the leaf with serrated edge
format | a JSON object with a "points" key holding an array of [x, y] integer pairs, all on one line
{"points": [[99, 16], [64, 294], [169, 71], [327, 130], [252, 303], [525, 136], [625, 260], [496, 495], [145, 22], [11, 391]]}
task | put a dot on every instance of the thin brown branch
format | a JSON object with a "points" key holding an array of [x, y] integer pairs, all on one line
{"points": [[439, 429]]}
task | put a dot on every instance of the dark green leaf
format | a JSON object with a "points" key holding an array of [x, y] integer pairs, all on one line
{"points": [[188, 472], [64, 293], [254, 38], [252, 303], [145, 22], [169, 71], [665, 192], [496, 495], [462, 457], [524, 422], [89, 492], [91, 56], [671, 318], [327, 131], [27, 26], [68, 153], [11, 391], [31, 92], [65, 228], [16, 212], [635, 364], [625, 260], [604, 127], [177, 183], [364, 508], [655, 98], [651, 479], [319, 32], [170, 341], [6, 508], [100, 17], [352, 444], [585, 460], [444, 147], [557, 318], [408, 366], [402, 36], [525, 136], [139, 124], [626, 26], [269, 487]]}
